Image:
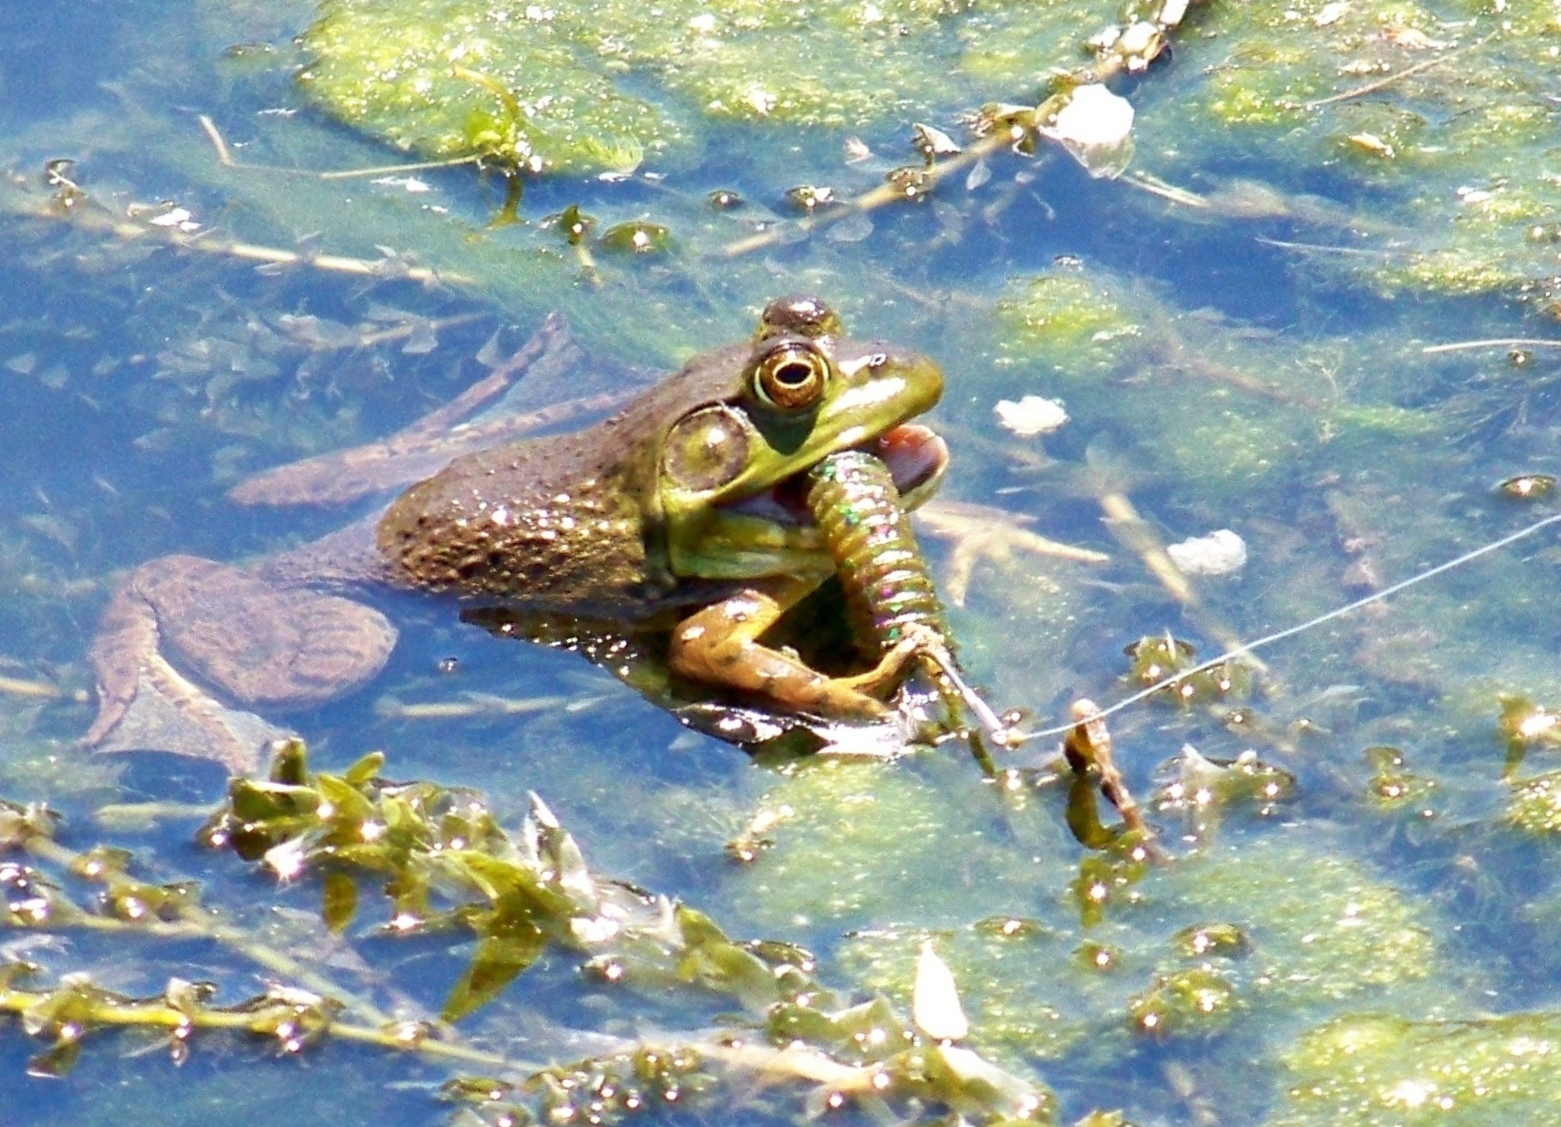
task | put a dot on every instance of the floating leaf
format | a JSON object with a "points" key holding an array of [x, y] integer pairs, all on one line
{"points": [[496, 963], [1096, 127], [971, 1085], [55, 1062], [638, 236], [338, 900]]}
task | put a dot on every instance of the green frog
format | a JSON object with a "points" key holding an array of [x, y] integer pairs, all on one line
{"points": [[685, 511]]}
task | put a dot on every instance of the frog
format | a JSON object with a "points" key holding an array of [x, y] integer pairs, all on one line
{"points": [[684, 512]]}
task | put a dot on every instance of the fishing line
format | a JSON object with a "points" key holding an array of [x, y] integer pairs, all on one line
{"points": [[1290, 632]]}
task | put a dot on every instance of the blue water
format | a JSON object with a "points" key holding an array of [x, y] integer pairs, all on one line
{"points": [[138, 383]]}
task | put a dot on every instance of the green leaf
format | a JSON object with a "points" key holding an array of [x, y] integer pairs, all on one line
{"points": [[55, 1062], [338, 900], [365, 769], [348, 802], [290, 766], [498, 960]]}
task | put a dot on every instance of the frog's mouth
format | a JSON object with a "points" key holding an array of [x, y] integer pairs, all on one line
{"points": [[916, 456]]}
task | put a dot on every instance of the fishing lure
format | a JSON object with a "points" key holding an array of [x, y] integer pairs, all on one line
{"points": [[857, 509], [889, 591]]}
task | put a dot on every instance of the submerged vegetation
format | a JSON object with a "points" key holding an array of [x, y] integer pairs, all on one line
{"points": [[447, 865]]}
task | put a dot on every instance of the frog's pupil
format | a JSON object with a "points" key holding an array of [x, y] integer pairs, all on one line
{"points": [[794, 374]]}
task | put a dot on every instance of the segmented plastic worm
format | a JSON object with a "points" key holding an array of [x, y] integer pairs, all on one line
{"points": [[857, 508]]}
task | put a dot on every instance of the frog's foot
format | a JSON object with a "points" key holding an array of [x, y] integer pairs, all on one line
{"points": [[169, 713], [981, 532], [894, 666], [253, 643], [718, 646]]}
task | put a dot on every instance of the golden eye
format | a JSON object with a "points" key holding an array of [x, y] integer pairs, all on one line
{"points": [[791, 376], [705, 449]]}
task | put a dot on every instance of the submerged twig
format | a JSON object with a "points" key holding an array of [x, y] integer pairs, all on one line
{"points": [[1016, 129], [1133, 532], [1325, 248], [76, 209], [1148, 182], [1088, 748], [22, 687], [1389, 80], [391, 169], [1492, 342], [225, 158], [214, 135], [195, 922]]}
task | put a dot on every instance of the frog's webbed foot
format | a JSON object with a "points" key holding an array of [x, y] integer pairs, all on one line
{"points": [[254, 644], [719, 646]]}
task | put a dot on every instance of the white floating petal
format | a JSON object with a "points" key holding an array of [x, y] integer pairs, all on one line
{"points": [[1030, 416], [1218, 553], [1096, 127], [935, 1004]]}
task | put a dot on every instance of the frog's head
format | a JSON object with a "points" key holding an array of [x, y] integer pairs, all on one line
{"points": [[731, 469]]}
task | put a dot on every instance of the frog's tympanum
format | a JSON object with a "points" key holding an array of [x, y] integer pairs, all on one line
{"points": [[685, 512]]}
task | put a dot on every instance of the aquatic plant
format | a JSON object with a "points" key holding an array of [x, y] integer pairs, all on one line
{"points": [[447, 864]]}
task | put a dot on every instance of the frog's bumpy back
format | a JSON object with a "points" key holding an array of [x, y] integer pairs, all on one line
{"points": [[857, 508]]}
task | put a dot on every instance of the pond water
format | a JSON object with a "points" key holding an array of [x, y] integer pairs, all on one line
{"points": [[1350, 914]]}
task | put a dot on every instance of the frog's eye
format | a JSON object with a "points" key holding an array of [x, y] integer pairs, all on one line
{"points": [[791, 376], [705, 449]]}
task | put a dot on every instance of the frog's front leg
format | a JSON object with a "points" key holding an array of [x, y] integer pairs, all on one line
{"points": [[720, 646]]}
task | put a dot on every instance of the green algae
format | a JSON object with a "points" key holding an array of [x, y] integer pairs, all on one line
{"points": [[1450, 130], [588, 85], [1322, 929], [1296, 932], [1196, 999], [397, 77], [1227, 409], [1014, 981], [1388, 459], [1535, 804], [1371, 1070], [856, 841], [1066, 320]]}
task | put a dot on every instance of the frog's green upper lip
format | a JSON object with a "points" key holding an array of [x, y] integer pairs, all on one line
{"points": [[916, 456]]}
